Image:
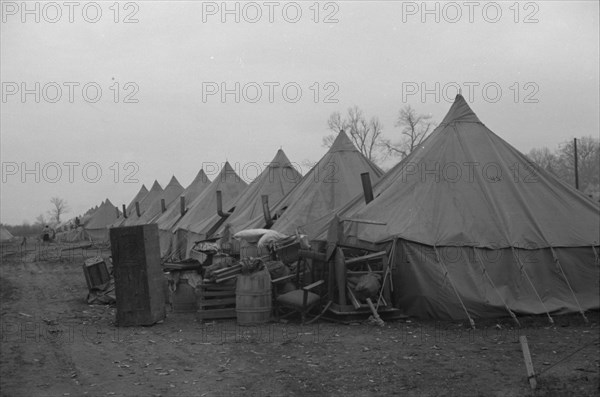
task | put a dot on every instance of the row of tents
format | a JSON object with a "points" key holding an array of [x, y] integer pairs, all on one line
{"points": [[472, 227]]}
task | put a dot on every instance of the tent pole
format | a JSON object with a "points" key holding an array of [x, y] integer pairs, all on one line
{"points": [[514, 317], [447, 274], [568, 284], [522, 268]]}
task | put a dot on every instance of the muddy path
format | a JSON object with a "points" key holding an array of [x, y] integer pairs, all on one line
{"points": [[55, 344]]}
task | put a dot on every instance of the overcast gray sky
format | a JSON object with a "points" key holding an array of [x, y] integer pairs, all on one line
{"points": [[174, 57]]}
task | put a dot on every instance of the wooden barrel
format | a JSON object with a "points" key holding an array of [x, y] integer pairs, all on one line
{"points": [[253, 298]]}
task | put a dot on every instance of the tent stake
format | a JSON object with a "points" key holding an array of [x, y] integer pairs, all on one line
{"points": [[528, 362]]}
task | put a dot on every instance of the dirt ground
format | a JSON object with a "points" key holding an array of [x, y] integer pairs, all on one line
{"points": [[55, 344]]}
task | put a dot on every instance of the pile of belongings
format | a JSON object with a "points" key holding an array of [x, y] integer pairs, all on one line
{"points": [[220, 264], [278, 269], [251, 265]]}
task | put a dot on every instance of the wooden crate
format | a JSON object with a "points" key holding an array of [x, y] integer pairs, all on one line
{"points": [[139, 279], [216, 300], [96, 272]]}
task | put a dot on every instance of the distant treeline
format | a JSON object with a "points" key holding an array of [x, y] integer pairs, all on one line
{"points": [[25, 229], [561, 163]]}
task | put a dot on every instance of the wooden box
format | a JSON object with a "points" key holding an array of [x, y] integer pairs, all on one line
{"points": [[96, 272], [139, 280], [216, 300]]}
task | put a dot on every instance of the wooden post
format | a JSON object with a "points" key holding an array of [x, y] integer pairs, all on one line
{"points": [[137, 209], [124, 211], [528, 362], [163, 207], [340, 275]]}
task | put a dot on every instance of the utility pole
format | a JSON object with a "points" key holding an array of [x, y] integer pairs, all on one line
{"points": [[575, 162]]}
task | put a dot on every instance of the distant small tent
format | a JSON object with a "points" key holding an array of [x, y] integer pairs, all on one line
{"points": [[5, 235], [97, 226], [170, 193], [476, 230], [145, 203], [130, 209]]}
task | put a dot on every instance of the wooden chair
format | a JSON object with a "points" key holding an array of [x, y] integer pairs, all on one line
{"points": [[301, 300]]}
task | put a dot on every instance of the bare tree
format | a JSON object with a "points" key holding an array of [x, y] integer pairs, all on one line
{"points": [[60, 207], [414, 129], [366, 135], [40, 219], [588, 159], [545, 159]]}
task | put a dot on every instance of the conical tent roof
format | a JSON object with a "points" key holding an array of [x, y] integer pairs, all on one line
{"points": [[105, 215], [277, 180], [329, 185], [205, 205], [5, 235], [170, 193], [167, 220], [466, 186], [145, 203]]}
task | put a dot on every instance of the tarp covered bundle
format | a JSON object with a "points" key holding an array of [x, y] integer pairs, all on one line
{"points": [[478, 230]]}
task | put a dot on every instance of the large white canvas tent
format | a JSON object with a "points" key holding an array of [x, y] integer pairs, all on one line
{"points": [[476, 230], [328, 186], [187, 230], [169, 218], [275, 181]]}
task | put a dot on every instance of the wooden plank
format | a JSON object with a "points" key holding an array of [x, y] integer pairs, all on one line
{"points": [[378, 319], [220, 280], [528, 362], [340, 275], [364, 258], [217, 287], [227, 269], [353, 299]]}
